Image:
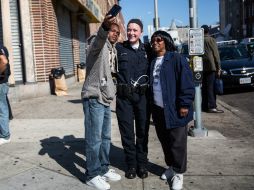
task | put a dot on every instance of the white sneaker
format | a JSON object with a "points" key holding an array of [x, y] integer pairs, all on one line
{"points": [[4, 141], [99, 183], [177, 182], [168, 174], [111, 175]]}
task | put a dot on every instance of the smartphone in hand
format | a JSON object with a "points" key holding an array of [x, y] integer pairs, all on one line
{"points": [[114, 10]]}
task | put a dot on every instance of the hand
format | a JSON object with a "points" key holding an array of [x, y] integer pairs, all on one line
{"points": [[183, 112], [108, 20], [218, 73]]}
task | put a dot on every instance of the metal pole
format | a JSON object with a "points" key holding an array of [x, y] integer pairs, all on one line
{"points": [[193, 14], [198, 130], [156, 22]]}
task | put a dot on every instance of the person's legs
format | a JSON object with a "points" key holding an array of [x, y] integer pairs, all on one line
{"points": [[141, 132], [94, 115], [106, 139], [4, 112], [9, 106], [140, 112], [162, 132], [178, 148], [210, 90], [163, 136], [204, 91], [107, 173], [174, 145], [208, 93], [124, 112], [148, 117]]}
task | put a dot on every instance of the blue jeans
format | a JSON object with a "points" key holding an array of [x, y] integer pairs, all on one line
{"points": [[4, 111], [97, 137]]}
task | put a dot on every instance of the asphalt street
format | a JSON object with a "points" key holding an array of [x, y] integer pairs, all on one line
{"points": [[241, 99]]}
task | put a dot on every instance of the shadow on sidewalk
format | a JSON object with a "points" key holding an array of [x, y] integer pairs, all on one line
{"points": [[65, 152], [76, 101]]}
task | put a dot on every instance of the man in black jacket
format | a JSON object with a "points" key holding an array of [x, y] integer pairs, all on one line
{"points": [[212, 69]]}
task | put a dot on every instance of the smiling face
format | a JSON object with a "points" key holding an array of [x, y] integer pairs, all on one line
{"points": [[158, 45], [133, 33], [113, 33]]}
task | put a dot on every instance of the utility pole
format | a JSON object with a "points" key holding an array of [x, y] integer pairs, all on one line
{"points": [[156, 18], [198, 130], [193, 13]]}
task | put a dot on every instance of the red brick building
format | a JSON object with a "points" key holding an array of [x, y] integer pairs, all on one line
{"points": [[45, 34]]}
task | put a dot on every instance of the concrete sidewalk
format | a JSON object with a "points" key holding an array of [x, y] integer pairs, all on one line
{"points": [[47, 150]]}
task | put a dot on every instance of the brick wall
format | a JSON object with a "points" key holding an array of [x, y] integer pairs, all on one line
{"points": [[45, 38], [52, 38]]}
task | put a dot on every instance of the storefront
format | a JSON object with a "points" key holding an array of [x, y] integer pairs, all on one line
{"points": [[45, 34]]}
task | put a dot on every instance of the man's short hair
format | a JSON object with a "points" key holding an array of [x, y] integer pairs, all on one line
{"points": [[206, 28], [114, 24]]}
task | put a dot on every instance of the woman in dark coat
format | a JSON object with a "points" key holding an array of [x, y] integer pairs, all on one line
{"points": [[173, 92]]}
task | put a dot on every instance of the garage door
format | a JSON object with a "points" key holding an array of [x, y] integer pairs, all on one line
{"points": [[16, 44], [82, 42], [65, 38]]}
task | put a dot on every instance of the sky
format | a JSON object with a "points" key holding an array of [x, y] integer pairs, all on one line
{"points": [[208, 11]]}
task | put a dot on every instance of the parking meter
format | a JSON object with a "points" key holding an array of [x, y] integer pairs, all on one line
{"points": [[196, 48], [197, 69]]}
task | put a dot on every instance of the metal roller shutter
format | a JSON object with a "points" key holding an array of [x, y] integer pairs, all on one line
{"points": [[65, 37], [16, 45], [82, 42]]}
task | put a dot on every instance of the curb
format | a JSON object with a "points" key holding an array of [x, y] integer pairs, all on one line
{"points": [[233, 110]]}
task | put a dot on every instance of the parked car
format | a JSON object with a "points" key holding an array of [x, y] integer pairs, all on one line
{"points": [[249, 43], [237, 66], [250, 47]]}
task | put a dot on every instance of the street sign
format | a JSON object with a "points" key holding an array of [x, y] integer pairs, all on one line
{"points": [[196, 41]]}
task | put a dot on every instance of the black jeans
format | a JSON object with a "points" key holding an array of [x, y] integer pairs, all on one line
{"points": [[208, 92], [135, 148], [173, 141]]}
